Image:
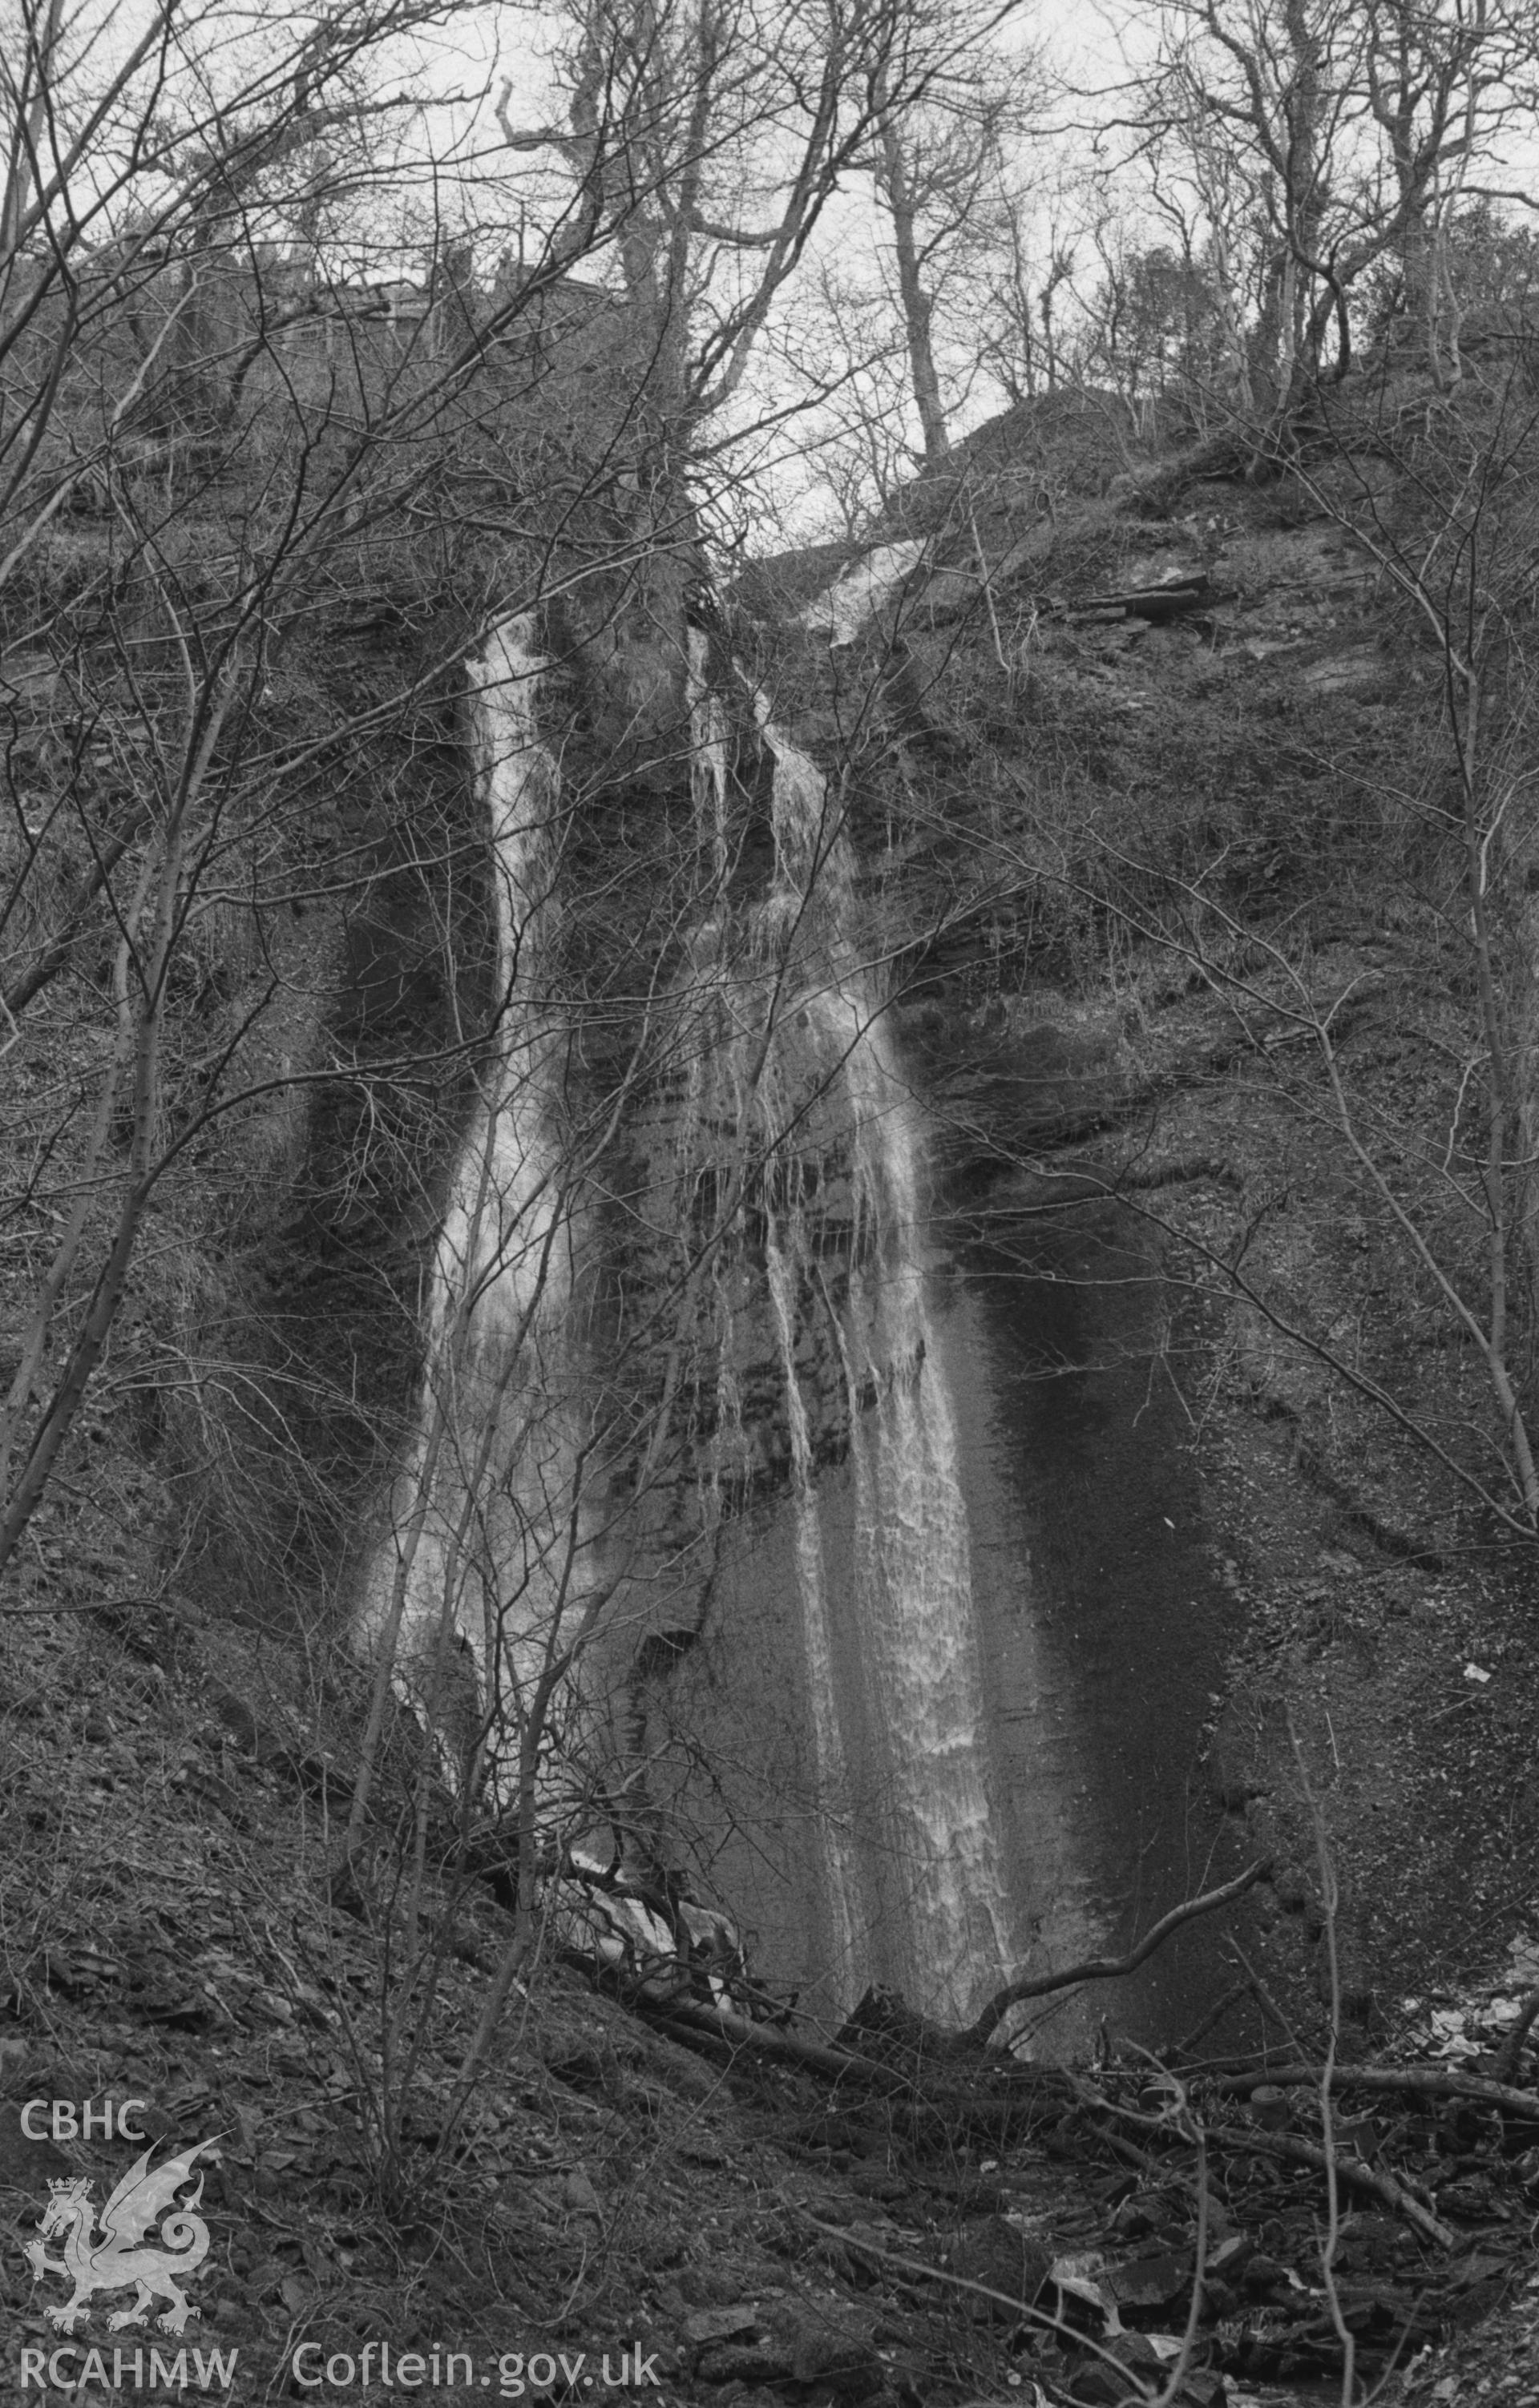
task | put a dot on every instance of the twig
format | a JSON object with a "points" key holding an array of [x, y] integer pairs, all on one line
{"points": [[1215, 2015], [1111, 1969], [1174, 2388], [1267, 2003], [1185, 2122], [917, 2266], [989, 590], [1331, 1900], [1164, 2173]]}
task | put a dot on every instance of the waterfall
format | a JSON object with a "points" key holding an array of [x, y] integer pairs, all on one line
{"points": [[483, 1551], [914, 1593], [861, 590], [780, 1224], [846, 1903], [911, 1606], [708, 760]]}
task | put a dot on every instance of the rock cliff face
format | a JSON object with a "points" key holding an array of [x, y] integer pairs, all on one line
{"points": [[1154, 776]]}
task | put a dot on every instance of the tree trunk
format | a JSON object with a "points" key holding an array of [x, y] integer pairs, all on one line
{"points": [[918, 307], [27, 130]]}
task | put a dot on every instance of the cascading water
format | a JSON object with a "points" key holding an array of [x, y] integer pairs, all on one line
{"points": [[845, 1890], [482, 1550], [911, 1604]]}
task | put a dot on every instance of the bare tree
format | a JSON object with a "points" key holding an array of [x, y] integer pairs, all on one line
{"points": [[943, 167], [1358, 132], [1030, 339]]}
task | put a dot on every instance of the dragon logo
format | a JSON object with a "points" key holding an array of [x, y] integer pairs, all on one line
{"points": [[122, 2256]]}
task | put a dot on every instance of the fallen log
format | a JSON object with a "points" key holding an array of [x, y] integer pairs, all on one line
{"points": [[724, 2025], [942, 2076], [1156, 603]]}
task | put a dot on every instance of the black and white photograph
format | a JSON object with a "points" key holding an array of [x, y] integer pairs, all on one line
{"points": [[770, 1203]]}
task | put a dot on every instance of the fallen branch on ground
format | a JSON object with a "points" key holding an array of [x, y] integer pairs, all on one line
{"points": [[1111, 1969], [1435, 2079], [1348, 2169], [928, 2074], [1129, 2151], [722, 2026]]}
